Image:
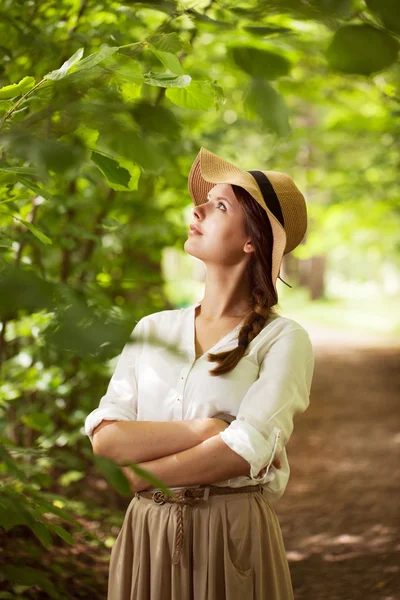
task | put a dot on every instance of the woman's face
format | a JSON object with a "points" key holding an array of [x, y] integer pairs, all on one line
{"points": [[221, 222]]}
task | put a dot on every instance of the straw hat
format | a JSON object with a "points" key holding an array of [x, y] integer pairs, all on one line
{"points": [[276, 192]]}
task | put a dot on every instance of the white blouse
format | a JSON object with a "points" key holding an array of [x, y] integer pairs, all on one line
{"points": [[268, 387]]}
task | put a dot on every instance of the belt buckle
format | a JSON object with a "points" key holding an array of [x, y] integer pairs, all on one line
{"points": [[158, 497]]}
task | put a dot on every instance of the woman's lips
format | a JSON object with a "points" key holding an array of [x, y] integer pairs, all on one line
{"points": [[194, 231]]}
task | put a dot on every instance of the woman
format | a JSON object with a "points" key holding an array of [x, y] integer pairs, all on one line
{"points": [[216, 436]]}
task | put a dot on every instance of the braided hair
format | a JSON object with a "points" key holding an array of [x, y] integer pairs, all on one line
{"points": [[263, 295]]}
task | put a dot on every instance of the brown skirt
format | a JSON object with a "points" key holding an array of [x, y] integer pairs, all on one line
{"points": [[232, 549]]}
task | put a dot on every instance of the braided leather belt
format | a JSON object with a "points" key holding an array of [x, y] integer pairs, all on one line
{"points": [[190, 496]]}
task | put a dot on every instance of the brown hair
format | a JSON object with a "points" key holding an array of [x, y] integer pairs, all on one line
{"points": [[263, 295]]}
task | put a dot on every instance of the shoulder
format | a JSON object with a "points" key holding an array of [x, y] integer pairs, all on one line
{"points": [[283, 334], [163, 323], [281, 325], [163, 317]]}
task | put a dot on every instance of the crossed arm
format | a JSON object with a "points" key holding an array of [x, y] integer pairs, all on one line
{"points": [[179, 452]]}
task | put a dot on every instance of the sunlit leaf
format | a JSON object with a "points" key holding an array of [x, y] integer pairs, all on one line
{"points": [[70, 477], [167, 80], [168, 60], [197, 96], [36, 232], [63, 70], [166, 42], [121, 174], [93, 59], [17, 89]]}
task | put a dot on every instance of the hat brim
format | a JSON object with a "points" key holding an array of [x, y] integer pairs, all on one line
{"points": [[208, 169]]}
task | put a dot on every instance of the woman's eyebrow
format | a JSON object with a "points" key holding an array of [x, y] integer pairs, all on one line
{"points": [[219, 198]]}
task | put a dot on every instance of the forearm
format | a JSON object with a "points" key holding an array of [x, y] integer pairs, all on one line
{"points": [[209, 462], [138, 441]]}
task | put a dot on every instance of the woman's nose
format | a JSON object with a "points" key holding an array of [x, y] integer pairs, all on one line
{"points": [[197, 212]]}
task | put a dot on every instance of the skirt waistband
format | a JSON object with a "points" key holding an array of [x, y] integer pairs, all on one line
{"points": [[191, 496]]}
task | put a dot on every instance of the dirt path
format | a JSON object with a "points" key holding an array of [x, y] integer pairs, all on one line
{"points": [[340, 514]]}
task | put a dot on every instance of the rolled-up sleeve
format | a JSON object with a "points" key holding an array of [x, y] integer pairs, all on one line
{"points": [[120, 400], [264, 422]]}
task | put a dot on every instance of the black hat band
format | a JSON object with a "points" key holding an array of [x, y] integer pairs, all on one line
{"points": [[269, 195]]}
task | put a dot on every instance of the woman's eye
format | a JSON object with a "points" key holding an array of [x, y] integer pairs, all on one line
{"points": [[222, 205]]}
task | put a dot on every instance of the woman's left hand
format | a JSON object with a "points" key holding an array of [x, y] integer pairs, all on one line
{"points": [[136, 483]]}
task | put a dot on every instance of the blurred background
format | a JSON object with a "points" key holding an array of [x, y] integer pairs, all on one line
{"points": [[103, 108]]}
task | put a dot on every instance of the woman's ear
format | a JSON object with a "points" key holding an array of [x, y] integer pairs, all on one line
{"points": [[248, 247]]}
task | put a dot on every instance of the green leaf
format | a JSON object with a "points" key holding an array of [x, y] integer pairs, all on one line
{"points": [[13, 513], [22, 289], [17, 89], [45, 153], [218, 24], [156, 120], [93, 59], [263, 31], [262, 100], [38, 421], [113, 474], [36, 232], [70, 477], [12, 466], [18, 170], [166, 42], [125, 69], [387, 11], [35, 188], [48, 507], [168, 60], [29, 576], [197, 96], [149, 477], [361, 49], [260, 62], [120, 173], [42, 533], [63, 70], [167, 80], [63, 533]]}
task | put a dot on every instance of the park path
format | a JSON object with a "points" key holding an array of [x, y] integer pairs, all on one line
{"points": [[340, 514]]}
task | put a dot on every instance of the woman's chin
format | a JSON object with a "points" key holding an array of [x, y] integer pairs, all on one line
{"points": [[190, 248]]}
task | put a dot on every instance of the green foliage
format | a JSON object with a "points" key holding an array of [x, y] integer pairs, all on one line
{"points": [[362, 49], [387, 11], [263, 100], [260, 62]]}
